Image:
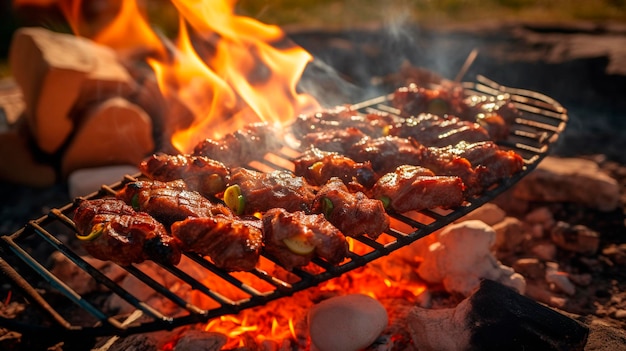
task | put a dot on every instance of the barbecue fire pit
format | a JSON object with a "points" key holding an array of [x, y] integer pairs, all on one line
{"points": [[197, 292], [539, 126]]}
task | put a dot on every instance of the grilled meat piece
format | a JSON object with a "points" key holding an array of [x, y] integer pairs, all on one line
{"points": [[318, 167], [110, 230], [413, 100], [341, 117], [351, 212], [480, 165], [200, 173], [239, 148], [333, 140], [415, 188], [494, 114], [262, 191], [295, 238], [232, 244], [433, 130], [386, 153], [169, 202], [490, 162]]}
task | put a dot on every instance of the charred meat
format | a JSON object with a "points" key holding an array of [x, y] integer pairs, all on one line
{"points": [[232, 244], [200, 173], [253, 191], [294, 238], [434, 130], [111, 230], [333, 140], [415, 188], [495, 114], [318, 167], [169, 202], [241, 147], [351, 212], [341, 117]]}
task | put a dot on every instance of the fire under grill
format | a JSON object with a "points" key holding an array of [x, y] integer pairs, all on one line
{"points": [[542, 121]]}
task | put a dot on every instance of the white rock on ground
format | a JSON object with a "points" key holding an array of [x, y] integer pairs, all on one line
{"points": [[462, 257]]}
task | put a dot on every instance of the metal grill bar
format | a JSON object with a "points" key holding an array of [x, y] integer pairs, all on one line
{"points": [[543, 119]]}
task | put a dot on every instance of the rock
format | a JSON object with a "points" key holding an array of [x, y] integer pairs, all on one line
{"points": [[509, 234], [346, 323], [558, 279], [542, 216], [544, 250], [489, 213], [531, 268], [570, 180], [462, 257], [576, 238]]}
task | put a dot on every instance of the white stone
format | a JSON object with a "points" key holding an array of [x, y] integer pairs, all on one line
{"points": [[346, 323], [462, 258], [88, 180]]}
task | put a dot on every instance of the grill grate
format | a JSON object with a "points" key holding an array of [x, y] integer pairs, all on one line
{"points": [[543, 119]]}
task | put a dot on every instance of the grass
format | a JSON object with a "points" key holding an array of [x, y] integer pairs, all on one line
{"points": [[348, 13]]}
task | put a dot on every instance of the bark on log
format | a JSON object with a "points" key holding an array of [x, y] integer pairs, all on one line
{"points": [[58, 71], [114, 133]]}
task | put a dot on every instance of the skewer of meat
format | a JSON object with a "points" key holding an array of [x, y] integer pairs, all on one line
{"points": [[351, 212], [241, 147], [294, 238], [434, 130], [200, 173], [415, 188], [233, 244], [495, 114], [169, 202], [111, 230], [341, 117], [318, 167], [253, 191]]}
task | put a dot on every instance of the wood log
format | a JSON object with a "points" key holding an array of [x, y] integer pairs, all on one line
{"points": [[55, 71], [20, 164], [116, 132], [496, 317]]}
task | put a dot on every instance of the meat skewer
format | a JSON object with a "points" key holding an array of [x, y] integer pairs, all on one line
{"points": [[318, 167], [200, 173], [232, 244], [253, 191], [241, 147], [111, 230], [294, 238], [415, 188], [169, 202], [351, 212]]}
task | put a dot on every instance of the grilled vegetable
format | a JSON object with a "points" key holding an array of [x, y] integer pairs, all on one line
{"points": [[299, 244], [96, 231], [234, 199]]}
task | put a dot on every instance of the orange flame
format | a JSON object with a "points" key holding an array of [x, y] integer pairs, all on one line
{"points": [[251, 80], [225, 70]]}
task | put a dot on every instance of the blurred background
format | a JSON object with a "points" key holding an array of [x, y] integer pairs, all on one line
{"points": [[343, 14]]}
